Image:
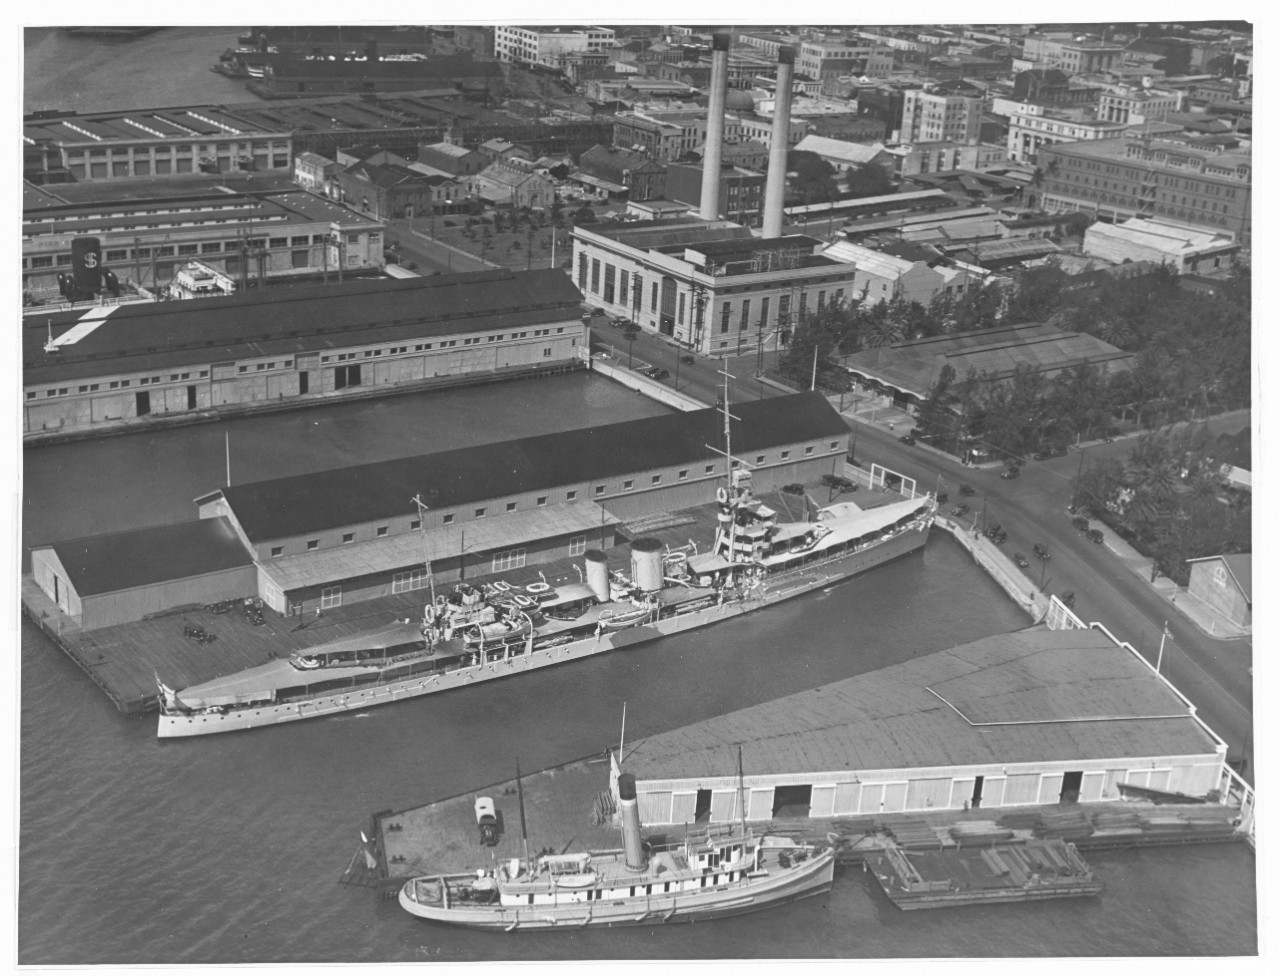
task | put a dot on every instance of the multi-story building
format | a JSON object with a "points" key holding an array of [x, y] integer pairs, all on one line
{"points": [[1067, 54], [882, 277], [510, 185], [159, 142], [259, 236], [741, 190], [644, 178], [1140, 176], [936, 117], [122, 364], [389, 190], [663, 135], [710, 285], [1033, 126], [449, 157], [1133, 106], [547, 45], [820, 59]]}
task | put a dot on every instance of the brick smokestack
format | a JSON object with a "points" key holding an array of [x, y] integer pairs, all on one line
{"points": [[775, 186], [713, 151]]}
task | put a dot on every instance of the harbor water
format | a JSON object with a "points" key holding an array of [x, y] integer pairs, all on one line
{"points": [[228, 849]]}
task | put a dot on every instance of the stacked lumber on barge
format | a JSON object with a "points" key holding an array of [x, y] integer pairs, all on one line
{"points": [[1034, 871]]}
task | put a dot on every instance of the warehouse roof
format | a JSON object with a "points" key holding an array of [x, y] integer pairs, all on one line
{"points": [[290, 320], [915, 366], [118, 561], [442, 541], [350, 496], [1034, 696]]}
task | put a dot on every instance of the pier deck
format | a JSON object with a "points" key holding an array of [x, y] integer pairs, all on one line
{"points": [[561, 805]]}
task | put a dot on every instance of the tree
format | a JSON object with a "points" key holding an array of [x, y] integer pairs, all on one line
{"points": [[868, 180], [936, 419], [815, 179], [584, 215]]}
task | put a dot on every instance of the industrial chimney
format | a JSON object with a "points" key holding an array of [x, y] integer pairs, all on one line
{"points": [[713, 151], [775, 186], [632, 843]]}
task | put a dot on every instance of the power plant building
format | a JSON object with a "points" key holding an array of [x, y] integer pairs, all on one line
{"points": [[1036, 717]]}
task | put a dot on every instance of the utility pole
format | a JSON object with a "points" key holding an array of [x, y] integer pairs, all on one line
{"points": [[1165, 635]]}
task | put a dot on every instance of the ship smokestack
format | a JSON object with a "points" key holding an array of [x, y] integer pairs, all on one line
{"points": [[775, 186], [713, 150], [632, 846], [598, 574], [646, 564]]}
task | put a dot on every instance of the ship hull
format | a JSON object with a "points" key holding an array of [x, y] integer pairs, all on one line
{"points": [[698, 905], [782, 586]]}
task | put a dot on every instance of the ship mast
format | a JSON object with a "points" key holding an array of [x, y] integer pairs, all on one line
{"points": [[742, 801], [524, 835], [730, 499], [426, 555]]}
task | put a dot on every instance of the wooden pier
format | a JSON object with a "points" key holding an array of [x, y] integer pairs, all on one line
{"points": [[563, 814]]}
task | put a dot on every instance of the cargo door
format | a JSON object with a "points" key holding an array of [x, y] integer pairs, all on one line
{"points": [[683, 806], [724, 806], [895, 797], [847, 797], [822, 800], [872, 796]]}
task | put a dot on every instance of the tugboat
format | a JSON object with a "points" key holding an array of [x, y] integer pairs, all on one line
{"points": [[699, 880]]}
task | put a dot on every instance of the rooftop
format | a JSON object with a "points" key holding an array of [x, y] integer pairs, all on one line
{"points": [[292, 320], [915, 366], [1028, 697], [350, 496], [100, 564]]}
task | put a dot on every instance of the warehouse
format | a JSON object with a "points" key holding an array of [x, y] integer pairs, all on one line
{"points": [[1037, 717], [105, 365], [357, 533], [112, 579]]}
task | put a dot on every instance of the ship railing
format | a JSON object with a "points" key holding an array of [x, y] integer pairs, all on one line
{"points": [[1235, 791]]}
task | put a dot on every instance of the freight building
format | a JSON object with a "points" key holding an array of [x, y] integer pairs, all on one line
{"points": [[356, 533], [100, 366], [1013, 720]]}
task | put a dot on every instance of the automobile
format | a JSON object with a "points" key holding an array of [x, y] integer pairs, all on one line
{"points": [[487, 821], [1041, 551], [1042, 455], [908, 438], [659, 374], [688, 360], [967, 490], [597, 311], [1020, 560], [793, 489], [1080, 523], [960, 511], [942, 498], [837, 481], [1009, 473], [1095, 535]]}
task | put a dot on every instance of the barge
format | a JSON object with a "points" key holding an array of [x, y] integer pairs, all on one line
{"points": [[1034, 871]]}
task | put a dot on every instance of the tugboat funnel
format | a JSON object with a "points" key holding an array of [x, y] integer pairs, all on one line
{"points": [[598, 574], [632, 847]]}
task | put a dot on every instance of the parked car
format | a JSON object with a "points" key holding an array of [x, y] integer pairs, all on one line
{"points": [[1041, 551], [1095, 535], [960, 511], [659, 374], [1009, 473], [487, 821], [1080, 523], [688, 360], [837, 481], [1020, 560], [908, 438], [793, 489], [967, 490], [942, 498]]}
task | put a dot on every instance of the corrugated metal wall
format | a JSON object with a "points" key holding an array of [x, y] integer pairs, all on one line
{"points": [[128, 605]]}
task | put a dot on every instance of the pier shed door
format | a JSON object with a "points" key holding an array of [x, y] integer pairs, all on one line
{"points": [[724, 806]]}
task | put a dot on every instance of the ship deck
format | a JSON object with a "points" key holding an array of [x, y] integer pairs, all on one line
{"points": [[123, 660]]}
